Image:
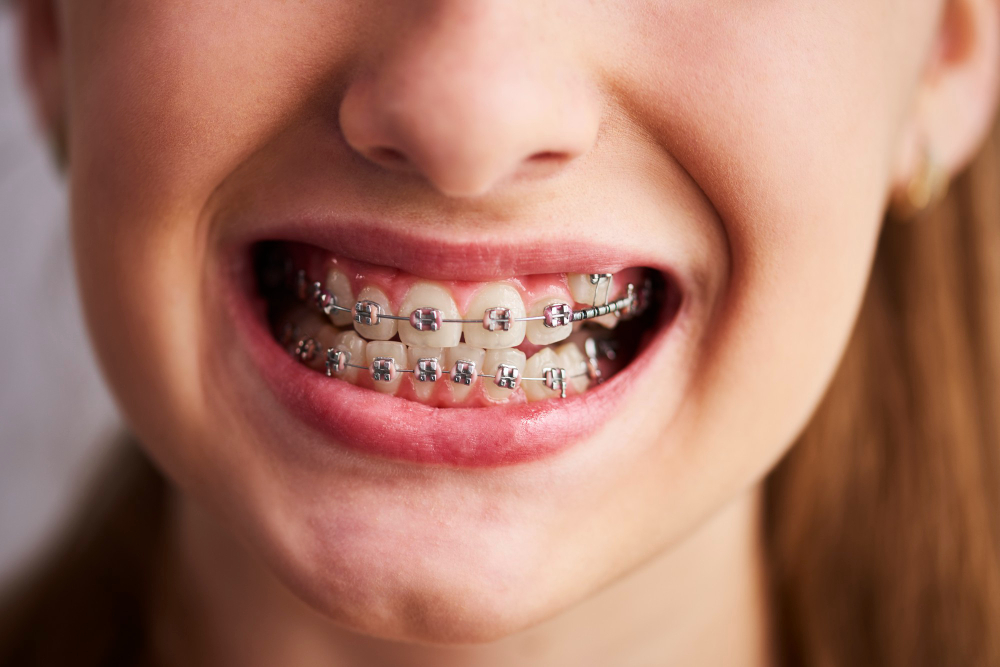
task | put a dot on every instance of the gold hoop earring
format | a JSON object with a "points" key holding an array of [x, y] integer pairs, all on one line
{"points": [[925, 189]]}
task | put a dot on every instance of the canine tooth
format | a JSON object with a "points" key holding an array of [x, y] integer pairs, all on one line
{"points": [[540, 334], [575, 363], [463, 353], [385, 328], [494, 359], [495, 296], [424, 389], [339, 285], [428, 295], [535, 367], [384, 358], [355, 346], [587, 292]]}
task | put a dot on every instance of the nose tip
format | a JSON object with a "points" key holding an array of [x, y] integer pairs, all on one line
{"points": [[468, 113]]}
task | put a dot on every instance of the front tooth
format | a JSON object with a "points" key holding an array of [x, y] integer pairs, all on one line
{"points": [[508, 357], [587, 292], [339, 285], [355, 346], [494, 295], [535, 367], [540, 334], [384, 359], [386, 328], [464, 353], [428, 295], [575, 363], [424, 389]]}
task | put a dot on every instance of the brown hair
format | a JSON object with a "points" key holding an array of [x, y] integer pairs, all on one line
{"points": [[90, 602], [882, 525], [883, 522]]}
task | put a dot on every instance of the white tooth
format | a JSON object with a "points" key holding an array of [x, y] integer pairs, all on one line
{"points": [[306, 326], [425, 390], [351, 342], [586, 292], [609, 321], [537, 332], [385, 329], [493, 360], [339, 285], [494, 295], [325, 337], [382, 350], [430, 295], [535, 367], [477, 355], [575, 363]]}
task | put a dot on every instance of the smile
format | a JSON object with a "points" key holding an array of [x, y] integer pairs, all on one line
{"points": [[448, 371], [339, 318]]}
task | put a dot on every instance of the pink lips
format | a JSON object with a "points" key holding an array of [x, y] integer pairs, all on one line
{"points": [[397, 428]]}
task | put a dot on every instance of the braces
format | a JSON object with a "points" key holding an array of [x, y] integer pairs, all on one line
{"points": [[430, 319], [507, 376]]}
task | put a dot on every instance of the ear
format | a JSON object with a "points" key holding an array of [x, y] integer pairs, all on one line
{"points": [[42, 66], [956, 100]]}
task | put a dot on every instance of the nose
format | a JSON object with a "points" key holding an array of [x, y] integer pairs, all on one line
{"points": [[469, 95]]}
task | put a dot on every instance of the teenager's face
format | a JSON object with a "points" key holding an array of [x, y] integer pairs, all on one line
{"points": [[738, 154]]}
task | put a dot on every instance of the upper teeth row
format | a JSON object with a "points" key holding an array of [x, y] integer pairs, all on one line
{"points": [[559, 314]]}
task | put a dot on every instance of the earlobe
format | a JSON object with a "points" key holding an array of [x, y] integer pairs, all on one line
{"points": [[958, 92], [42, 68]]}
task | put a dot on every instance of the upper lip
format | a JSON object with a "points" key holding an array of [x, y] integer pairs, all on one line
{"points": [[481, 254]]}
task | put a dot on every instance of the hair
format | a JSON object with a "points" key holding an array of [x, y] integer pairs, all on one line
{"points": [[882, 525], [883, 522]]}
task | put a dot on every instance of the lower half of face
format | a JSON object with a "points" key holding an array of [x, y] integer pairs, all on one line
{"points": [[452, 386]]}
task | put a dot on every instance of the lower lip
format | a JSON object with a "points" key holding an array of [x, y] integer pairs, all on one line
{"points": [[401, 429]]}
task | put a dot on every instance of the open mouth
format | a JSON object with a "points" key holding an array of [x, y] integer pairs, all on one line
{"points": [[401, 360], [456, 343]]}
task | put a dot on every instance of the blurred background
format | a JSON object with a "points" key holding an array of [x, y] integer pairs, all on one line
{"points": [[55, 414]]}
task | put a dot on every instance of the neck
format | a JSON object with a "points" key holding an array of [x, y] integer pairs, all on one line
{"points": [[701, 602]]}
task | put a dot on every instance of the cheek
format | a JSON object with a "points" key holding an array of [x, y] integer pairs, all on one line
{"points": [[167, 102], [784, 118]]}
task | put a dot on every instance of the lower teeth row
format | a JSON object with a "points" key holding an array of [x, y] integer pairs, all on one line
{"points": [[464, 371]]}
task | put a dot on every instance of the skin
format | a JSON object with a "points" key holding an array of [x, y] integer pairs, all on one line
{"points": [[762, 139]]}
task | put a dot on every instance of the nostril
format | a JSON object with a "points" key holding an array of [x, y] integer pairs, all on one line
{"points": [[387, 156], [548, 157]]}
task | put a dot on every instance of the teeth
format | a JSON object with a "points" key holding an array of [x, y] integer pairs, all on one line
{"points": [[587, 292], [354, 345], [508, 357], [339, 285], [575, 363], [535, 368], [609, 321], [540, 334], [305, 337], [425, 389], [385, 328], [498, 299], [463, 353], [429, 297], [325, 337], [384, 358]]}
